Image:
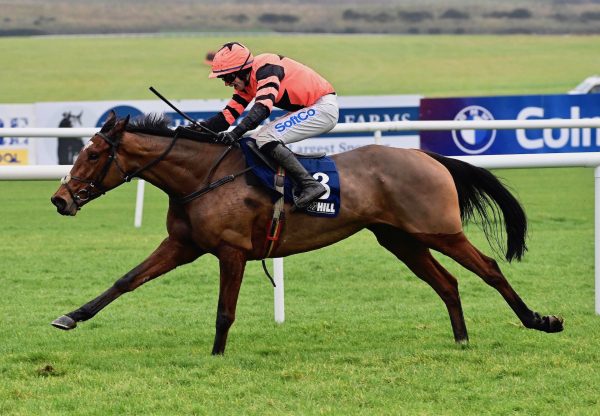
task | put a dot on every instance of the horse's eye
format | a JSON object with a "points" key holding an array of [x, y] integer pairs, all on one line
{"points": [[93, 156]]}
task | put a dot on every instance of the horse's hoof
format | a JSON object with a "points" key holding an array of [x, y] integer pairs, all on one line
{"points": [[463, 344], [555, 323], [64, 322]]}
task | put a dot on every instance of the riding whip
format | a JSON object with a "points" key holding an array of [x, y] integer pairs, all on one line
{"points": [[182, 114]]}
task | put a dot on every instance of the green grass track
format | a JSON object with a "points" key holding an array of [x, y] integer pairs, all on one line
{"points": [[362, 336]]}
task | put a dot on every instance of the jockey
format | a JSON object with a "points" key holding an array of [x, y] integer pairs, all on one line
{"points": [[274, 80]]}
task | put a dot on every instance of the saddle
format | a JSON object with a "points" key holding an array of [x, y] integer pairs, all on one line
{"points": [[269, 175]]}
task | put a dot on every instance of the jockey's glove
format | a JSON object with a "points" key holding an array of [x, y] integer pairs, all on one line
{"points": [[227, 137]]}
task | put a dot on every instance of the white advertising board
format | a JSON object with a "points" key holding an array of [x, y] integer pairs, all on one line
{"points": [[353, 109], [17, 150]]}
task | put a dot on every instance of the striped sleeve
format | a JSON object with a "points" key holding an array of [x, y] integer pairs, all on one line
{"points": [[236, 106], [268, 79]]}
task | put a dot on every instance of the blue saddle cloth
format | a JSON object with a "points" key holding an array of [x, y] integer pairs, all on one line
{"points": [[322, 169]]}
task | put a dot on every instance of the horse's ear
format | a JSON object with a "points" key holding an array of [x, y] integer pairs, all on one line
{"points": [[121, 124], [110, 122]]}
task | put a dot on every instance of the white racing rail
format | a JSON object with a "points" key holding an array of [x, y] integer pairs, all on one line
{"points": [[417, 125], [585, 159]]}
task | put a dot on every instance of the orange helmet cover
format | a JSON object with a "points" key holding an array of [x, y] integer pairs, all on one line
{"points": [[232, 57]]}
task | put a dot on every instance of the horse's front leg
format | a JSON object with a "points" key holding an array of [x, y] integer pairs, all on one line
{"points": [[170, 254], [232, 262]]}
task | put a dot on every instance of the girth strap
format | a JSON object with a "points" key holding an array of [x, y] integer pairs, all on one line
{"points": [[276, 224]]}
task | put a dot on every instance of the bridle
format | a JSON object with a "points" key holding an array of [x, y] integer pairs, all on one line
{"points": [[95, 187]]}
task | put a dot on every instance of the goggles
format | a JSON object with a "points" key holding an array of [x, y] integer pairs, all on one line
{"points": [[228, 78]]}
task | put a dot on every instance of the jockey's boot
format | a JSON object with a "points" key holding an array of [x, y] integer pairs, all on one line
{"points": [[311, 188]]}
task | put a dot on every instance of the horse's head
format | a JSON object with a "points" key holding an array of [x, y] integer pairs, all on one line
{"points": [[95, 171]]}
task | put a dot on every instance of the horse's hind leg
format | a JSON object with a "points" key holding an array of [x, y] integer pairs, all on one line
{"points": [[460, 249], [419, 259]]}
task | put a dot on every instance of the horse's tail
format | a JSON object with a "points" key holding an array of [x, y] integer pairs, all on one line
{"points": [[481, 194]]}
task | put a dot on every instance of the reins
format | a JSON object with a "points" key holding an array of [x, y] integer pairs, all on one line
{"points": [[210, 186], [129, 177], [95, 188]]}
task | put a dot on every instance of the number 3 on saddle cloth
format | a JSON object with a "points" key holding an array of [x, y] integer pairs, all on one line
{"points": [[321, 168]]}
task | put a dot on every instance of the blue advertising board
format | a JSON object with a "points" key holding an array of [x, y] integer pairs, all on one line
{"points": [[524, 107]]}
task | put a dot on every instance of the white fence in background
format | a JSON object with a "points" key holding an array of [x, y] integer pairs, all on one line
{"points": [[588, 159], [407, 125]]}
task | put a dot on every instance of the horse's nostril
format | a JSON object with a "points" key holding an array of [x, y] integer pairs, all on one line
{"points": [[59, 203]]}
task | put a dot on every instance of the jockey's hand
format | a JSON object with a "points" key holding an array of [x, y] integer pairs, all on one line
{"points": [[226, 137]]}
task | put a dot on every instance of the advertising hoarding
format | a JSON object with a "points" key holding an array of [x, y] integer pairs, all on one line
{"points": [[16, 150], [526, 107], [352, 110]]}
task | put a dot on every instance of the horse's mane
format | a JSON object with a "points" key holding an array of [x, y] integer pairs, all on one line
{"points": [[153, 123], [158, 125]]}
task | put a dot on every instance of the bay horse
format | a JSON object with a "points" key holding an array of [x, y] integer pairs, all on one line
{"points": [[413, 201]]}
